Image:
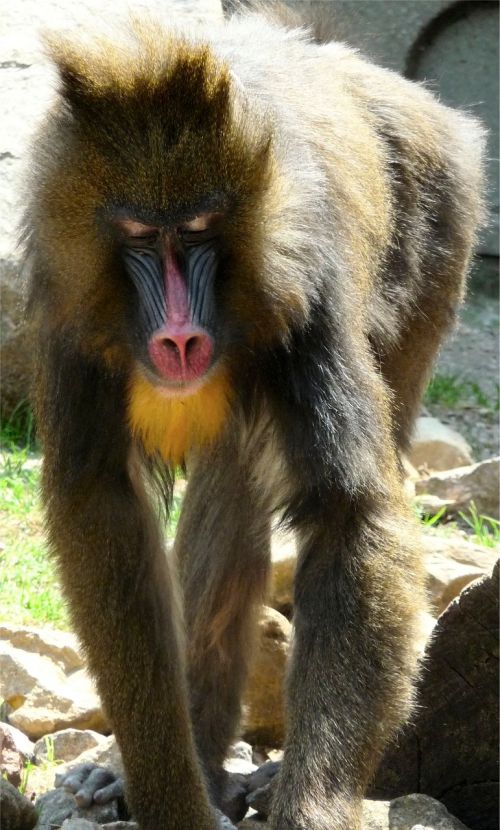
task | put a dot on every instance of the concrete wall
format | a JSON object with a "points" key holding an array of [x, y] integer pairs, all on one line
{"points": [[452, 46]]}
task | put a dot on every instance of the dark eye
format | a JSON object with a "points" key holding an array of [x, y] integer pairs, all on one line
{"points": [[145, 241], [137, 235], [201, 229]]}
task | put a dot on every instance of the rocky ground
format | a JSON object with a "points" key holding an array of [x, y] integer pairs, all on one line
{"points": [[55, 723]]}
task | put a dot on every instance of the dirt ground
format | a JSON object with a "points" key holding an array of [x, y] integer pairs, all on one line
{"points": [[472, 354]]}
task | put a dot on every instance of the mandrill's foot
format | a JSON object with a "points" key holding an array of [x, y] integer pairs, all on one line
{"points": [[92, 784]]}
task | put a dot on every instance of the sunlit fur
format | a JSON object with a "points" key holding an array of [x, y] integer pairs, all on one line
{"points": [[352, 199], [173, 426]]}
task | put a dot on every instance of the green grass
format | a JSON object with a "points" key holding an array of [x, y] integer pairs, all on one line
{"points": [[486, 530], [483, 530], [18, 430], [30, 593], [29, 588], [450, 391], [28, 768], [173, 519], [431, 519], [37, 778]]}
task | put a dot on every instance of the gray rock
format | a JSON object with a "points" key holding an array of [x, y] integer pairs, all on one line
{"points": [[478, 483], [15, 750], [44, 697], [58, 805], [451, 563], [437, 446], [239, 766], [411, 812], [54, 807], [240, 751], [67, 744], [105, 754], [16, 812], [419, 812], [61, 646], [375, 815]]}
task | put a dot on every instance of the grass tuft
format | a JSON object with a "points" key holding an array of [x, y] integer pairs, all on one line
{"points": [[18, 430], [486, 530], [431, 519], [450, 391]]}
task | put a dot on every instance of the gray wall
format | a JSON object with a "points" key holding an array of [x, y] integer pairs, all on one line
{"points": [[452, 46]]}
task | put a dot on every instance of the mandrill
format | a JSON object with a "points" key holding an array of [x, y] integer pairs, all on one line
{"points": [[246, 248]]}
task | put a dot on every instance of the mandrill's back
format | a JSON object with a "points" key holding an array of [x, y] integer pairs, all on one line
{"points": [[391, 180]]}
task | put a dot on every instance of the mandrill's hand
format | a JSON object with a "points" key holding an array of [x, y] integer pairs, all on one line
{"points": [[223, 822], [92, 784]]}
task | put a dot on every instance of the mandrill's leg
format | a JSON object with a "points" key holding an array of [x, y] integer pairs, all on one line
{"points": [[222, 545], [114, 573], [358, 595]]}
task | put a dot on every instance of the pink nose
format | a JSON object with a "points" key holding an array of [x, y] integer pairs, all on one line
{"points": [[181, 354]]}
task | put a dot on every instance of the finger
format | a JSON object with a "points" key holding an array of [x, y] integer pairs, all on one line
{"points": [[223, 823], [113, 790], [97, 779], [74, 778]]}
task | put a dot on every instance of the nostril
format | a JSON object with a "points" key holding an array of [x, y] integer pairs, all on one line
{"points": [[171, 346], [181, 355], [191, 346], [180, 349]]}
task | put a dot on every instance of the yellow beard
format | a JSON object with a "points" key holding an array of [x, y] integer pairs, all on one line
{"points": [[173, 426]]}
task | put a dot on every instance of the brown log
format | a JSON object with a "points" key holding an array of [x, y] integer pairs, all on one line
{"points": [[450, 751]]}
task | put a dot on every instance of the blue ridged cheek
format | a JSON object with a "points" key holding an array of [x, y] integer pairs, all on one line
{"points": [[146, 272], [145, 268]]}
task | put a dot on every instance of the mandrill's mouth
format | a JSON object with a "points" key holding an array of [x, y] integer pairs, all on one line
{"points": [[174, 419], [179, 389]]}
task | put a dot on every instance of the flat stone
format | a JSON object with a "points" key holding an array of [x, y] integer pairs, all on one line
{"points": [[43, 698], [478, 483], [263, 700], [67, 744], [437, 446]]}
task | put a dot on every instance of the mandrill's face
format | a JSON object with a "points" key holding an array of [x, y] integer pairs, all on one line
{"points": [[180, 392], [174, 267]]}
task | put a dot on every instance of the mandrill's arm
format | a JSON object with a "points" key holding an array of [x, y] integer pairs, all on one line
{"points": [[115, 576]]}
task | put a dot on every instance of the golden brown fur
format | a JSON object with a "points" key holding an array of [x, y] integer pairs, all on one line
{"points": [[351, 200]]}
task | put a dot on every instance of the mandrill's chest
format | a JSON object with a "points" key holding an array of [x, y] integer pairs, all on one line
{"points": [[173, 426]]}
